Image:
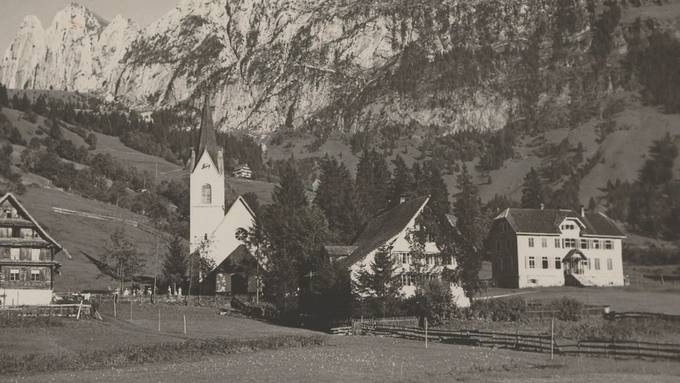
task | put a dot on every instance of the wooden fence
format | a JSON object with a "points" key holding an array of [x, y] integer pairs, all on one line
{"points": [[532, 343], [66, 311], [641, 315]]}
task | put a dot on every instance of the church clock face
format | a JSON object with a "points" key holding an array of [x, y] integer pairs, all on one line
{"points": [[205, 166]]}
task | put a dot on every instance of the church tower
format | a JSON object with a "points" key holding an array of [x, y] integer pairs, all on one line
{"points": [[207, 197]]}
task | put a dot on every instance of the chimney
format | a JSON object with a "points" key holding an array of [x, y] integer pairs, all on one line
{"points": [[583, 211], [542, 206]]}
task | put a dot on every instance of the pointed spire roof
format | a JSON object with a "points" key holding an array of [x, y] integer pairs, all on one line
{"points": [[207, 140]]}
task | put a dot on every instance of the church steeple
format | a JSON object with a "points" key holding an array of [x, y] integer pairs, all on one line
{"points": [[208, 140]]}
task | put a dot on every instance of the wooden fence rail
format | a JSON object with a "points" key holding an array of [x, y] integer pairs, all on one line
{"points": [[534, 343], [641, 315], [67, 310]]}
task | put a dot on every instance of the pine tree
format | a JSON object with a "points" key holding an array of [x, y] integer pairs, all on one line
{"points": [[471, 228], [372, 184], [335, 197], [401, 185], [122, 256], [378, 281], [175, 263], [533, 194], [4, 97]]}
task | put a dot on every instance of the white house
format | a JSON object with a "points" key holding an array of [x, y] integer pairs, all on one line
{"points": [[212, 226], [243, 171], [554, 247], [394, 228]]}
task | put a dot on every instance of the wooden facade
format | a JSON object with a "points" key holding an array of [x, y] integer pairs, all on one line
{"points": [[27, 257]]}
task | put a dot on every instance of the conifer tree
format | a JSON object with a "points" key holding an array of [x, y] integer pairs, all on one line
{"points": [[4, 97], [401, 184], [378, 281], [175, 263], [372, 184], [533, 194], [335, 197], [471, 228]]}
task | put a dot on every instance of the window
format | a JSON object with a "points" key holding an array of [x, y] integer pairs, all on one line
{"points": [[558, 263], [557, 243], [569, 243], [404, 258], [4, 253], [14, 275], [610, 264], [14, 254], [5, 232], [596, 243], [35, 275], [597, 263], [446, 260], [531, 242], [586, 264], [544, 242], [608, 245], [25, 254], [27, 233], [544, 262], [35, 255], [406, 280], [206, 194], [532, 262], [584, 244]]}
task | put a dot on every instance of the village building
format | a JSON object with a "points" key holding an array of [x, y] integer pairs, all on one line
{"points": [[393, 230], [555, 247], [213, 227], [243, 171], [27, 253]]}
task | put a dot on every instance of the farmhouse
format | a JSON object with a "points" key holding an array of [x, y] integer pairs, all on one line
{"points": [[555, 247], [213, 227], [27, 264], [393, 229]]}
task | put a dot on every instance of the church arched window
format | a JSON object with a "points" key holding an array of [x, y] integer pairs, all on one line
{"points": [[206, 194]]}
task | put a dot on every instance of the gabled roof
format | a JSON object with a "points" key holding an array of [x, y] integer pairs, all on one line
{"points": [[15, 202], [207, 140], [547, 221], [384, 228]]}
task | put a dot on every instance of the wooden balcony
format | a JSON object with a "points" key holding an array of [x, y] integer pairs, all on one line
{"points": [[15, 222], [33, 242]]}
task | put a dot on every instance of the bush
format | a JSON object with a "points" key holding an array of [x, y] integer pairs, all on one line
{"points": [[433, 302], [511, 309], [567, 309]]}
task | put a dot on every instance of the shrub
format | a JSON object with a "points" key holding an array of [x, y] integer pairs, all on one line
{"points": [[567, 309], [433, 302]]}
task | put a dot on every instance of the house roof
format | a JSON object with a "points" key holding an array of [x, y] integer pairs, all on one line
{"points": [[547, 221], [384, 227], [43, 234], [207, 140]]}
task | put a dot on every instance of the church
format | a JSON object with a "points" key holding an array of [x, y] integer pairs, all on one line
{"points": [[213, 225]]}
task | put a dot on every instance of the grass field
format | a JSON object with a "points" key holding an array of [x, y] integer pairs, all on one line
{"points": [[661, 299], [373, 359]]}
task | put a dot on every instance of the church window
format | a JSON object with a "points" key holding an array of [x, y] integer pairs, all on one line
{"points": [[206, 194]]}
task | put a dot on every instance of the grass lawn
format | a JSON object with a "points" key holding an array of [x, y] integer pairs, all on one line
{"points": [[90, 335], [374, 359], [662, 299]]}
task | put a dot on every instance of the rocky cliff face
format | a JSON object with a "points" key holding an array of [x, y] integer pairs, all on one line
{"points": [[333, 65]]}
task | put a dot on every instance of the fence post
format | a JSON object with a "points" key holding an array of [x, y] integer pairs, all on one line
{"points": [[115, 313], [552, 338], [130, 309], [425, 332], [185, 324], [159, 319]]}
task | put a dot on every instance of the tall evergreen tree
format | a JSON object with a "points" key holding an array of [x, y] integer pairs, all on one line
{"points": [[471, 228], [175, 263], [372, 184], [4, 97], [533, 194], [401, 184], [378, 280], [335, 197]]}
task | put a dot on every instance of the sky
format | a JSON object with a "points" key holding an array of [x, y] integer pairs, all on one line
{"points": [[12, 12]]}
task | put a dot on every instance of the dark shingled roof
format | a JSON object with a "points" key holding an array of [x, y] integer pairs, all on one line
{"points": [[382, 228], [547, 221], [207, 140]]}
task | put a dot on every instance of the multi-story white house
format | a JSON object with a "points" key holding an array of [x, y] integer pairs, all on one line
{"points": [[393, 230], [555, 247]]}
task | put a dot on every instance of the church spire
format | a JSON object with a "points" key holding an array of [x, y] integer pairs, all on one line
{"points": [[207, 140]]}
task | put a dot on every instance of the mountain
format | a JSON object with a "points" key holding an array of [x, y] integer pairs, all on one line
{"points": [[406, 75], [344, 65]]}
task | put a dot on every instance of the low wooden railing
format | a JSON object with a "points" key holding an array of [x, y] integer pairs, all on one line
{"points": [[532, 343]]}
